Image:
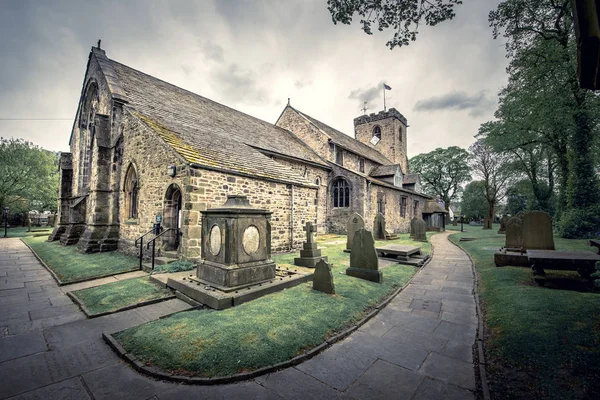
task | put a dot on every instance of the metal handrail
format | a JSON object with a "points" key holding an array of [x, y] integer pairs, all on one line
{"points": [[153, 240], [141, 239]]}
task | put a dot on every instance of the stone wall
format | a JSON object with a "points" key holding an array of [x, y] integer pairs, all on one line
{"points": [[394, 222], [338, 217], [308, 133]]}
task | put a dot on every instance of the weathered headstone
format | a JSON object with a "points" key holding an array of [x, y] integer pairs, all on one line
{"points": [[323, 278], [503, 222], [310, 255], [364, 263], [28, 224], [514, 233], [412, 226], [51, 219], [454, 222], [487, 223], [420, 230], [537, 231], [379, 227], [355, 222]]}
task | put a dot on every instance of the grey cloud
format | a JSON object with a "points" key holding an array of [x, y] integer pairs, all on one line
{"points": [[367, 95], [212, 51], [477, 103], [239, 85], [299, 84]]}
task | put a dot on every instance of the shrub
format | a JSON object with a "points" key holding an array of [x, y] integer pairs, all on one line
{"points": [[580, 223]]}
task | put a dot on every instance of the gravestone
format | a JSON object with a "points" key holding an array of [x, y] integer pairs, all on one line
{"points": [[420, 230], [364, 263], [28, 224], [51, 219], [514, 233], [537, 231], [379, 227], [454, 222], [503, 222], [487, 223], [412, 226], [323, 278], [310, 255], [355, 222]]}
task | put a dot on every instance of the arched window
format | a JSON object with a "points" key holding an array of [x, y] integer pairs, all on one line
{"points": [[340, 191], [377, 132], [86, 134], [131, 193]]}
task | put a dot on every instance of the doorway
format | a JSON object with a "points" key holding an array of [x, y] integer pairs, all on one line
{"points": [[172, 217]]}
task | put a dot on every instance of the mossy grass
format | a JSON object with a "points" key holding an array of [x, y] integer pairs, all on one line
{"points": [[266, 331], [114, 296], [21, 231], [72, 266], [542, 342]]}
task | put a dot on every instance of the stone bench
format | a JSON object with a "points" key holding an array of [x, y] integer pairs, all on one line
{"points": [[581, 261], [595, 243]]}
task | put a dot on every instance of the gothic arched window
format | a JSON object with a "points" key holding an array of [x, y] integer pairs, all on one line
{"points": [[340, 191], [131, 193], [377, 132]]}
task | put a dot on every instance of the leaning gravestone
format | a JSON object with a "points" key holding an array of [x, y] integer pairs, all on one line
{"points": [[310, 255], [412, 226], [514, 233], [364, 263], [420, 234], [355, 222], [503, 222], [379, 227], [323, 278], [537, 231]]}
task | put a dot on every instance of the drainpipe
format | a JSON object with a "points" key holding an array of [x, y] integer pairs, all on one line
{"points": [[292, 220]]}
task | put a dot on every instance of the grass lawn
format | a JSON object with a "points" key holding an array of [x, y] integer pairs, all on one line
{"points": [[19, 232], [541, 342], [72, 266], [115, 296], [271, 329]]}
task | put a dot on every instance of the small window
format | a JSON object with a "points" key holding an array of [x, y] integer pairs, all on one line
{"points": [[381, 203], [377, 132], [400, 135], [131, 193], [403, 202], [341, 193], [415, 207], [339, 156], [361, 165]]}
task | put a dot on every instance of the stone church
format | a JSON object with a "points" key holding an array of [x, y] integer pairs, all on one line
{"points": [[142, 148]]}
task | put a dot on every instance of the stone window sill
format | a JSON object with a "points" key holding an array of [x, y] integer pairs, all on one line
{"points": [[131, 222]]}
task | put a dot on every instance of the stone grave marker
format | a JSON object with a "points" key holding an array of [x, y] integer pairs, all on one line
{"points": [[28, 224], [537, 231], [412, 227], [514, 233], [379, 227], [503, 222], [310, 255], [364, 263], [420, 230], [487, 223], [51, 219], [355, 222], [323, 278]]}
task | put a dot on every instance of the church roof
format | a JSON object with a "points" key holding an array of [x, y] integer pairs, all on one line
{"points": [[432, 207], [205, 132], [410, 179], [345, 141], [385, 170]]}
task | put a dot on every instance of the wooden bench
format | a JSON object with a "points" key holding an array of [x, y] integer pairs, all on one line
{"points": [[595, 243]]}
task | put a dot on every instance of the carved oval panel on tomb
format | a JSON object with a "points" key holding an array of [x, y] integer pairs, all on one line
{"points": [[215, 240], [251, 239]]}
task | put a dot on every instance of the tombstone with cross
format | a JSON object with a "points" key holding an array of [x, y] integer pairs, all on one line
{"points": [[310, 254]]}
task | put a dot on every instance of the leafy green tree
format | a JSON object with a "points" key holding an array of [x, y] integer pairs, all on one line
{"points": [[518, 196], [496, 172], [28, 176], [403, 16], [443, 171], [474, 202]]}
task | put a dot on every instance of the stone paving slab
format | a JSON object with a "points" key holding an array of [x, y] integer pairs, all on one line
{"points": [[417, 347]]}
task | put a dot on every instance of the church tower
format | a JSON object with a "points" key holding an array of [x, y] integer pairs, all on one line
{"points": [[386, 133]]}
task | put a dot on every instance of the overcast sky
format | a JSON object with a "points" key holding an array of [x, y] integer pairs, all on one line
{"points": [[252, 56]]}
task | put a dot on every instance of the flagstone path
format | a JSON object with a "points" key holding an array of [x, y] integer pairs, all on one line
{"points": [[417, 347]]}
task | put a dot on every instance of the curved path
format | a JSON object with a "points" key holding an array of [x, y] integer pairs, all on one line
{"points": [[418, 347]]}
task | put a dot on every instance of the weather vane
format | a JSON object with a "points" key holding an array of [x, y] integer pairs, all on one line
{"points": [[364, 109]]}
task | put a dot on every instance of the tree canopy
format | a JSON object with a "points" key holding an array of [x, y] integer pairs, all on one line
{"points": [[403, 16], [28, 176], [443, 171], [474, 203]]}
